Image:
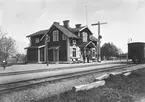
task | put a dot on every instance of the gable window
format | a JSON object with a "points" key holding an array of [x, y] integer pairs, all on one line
{"points": [[74, 52], [74, 42], [85, 37], [48, 39], [63, 37], [55, 35], [37, 40]]}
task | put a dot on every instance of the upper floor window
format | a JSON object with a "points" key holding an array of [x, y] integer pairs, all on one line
{"points": [[74, 41], [63, 37], [37, 40], [55, 35], [85, 37]]}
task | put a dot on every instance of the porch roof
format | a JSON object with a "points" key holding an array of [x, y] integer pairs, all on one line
{"points": [[54, 47], [31, 47], [87, 44], [34, 47]]}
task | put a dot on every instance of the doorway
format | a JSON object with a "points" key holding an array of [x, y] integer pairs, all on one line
{"points": [[56, 55]]}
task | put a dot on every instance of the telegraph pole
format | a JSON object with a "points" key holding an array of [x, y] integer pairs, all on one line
{"points": [[99, 38], [86, 15], [46, 49]]}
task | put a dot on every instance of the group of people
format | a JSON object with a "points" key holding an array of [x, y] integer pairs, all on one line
{"points": [[86, 55]]}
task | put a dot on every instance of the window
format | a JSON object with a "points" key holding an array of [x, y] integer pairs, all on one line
{"points": [[37, 40], [79, 34], [48, 38], [55, 35], [63, 37], [85, 37], [74, 52], [74, 42]]}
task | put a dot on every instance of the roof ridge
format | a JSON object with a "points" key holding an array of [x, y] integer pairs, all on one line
{"points": [[64, 28]]}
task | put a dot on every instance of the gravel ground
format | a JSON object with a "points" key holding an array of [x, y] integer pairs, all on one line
{"points": [[45, 90]]}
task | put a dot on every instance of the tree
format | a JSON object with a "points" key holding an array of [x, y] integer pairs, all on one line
{"points": [[21, 58], [7, 45], [109, 50]]}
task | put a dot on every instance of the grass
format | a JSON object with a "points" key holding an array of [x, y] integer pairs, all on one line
{"points": [[117, 89]]}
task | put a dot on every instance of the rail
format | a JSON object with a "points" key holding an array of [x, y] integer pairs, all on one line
{"points": [[29, 83]]}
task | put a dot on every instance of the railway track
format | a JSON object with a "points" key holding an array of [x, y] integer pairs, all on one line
{"points": [[29, 83], [52, 69]]}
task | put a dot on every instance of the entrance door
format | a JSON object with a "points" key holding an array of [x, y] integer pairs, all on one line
{"points": [[56, 55], [42, 54]]}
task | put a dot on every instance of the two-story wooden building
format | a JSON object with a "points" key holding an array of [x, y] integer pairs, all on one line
{"points": [[65, 44]]}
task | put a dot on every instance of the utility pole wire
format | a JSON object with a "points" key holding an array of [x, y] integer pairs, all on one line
{"points": [[86, 9]]}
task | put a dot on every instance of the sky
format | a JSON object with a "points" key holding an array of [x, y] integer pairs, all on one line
{"points": [[125, 18]]}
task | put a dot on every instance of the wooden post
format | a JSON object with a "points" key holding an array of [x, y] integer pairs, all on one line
{"points": [[99, 37], [46, 48]]}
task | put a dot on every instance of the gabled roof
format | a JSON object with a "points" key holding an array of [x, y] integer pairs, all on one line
{"points": [[92, 38], [69, 32], [75, 30], [41, 32], [66, 31], [86, 44]]}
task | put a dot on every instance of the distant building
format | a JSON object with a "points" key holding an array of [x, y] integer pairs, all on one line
{"points": [[65, 44]]}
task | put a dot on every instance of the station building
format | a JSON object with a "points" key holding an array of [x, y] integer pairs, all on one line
{"points": [[64, 44]]}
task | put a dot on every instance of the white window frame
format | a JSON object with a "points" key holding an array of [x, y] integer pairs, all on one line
{"points": [[85, 37], [37, 40], [55, 35], [63, 37]]}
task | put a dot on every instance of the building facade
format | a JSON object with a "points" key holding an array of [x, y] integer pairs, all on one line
{"points": [[64, 44]]}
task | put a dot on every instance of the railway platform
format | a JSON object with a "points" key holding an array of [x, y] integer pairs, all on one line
{"points": [[32, 67], [40, 71]]}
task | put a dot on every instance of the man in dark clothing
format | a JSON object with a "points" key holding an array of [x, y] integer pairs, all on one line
{"points": [[4, 64], [84, 57], [88, 56]]}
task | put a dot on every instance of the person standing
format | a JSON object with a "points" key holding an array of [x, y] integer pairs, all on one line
{"points": [[88, 56], [4, 64], [84, 57]]}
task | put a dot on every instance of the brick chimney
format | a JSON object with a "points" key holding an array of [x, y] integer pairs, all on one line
{"points": [[56, 23], [78, 25], [66, 23]]}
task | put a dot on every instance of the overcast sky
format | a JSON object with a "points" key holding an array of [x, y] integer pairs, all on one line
{"points": [[125, 18]]}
